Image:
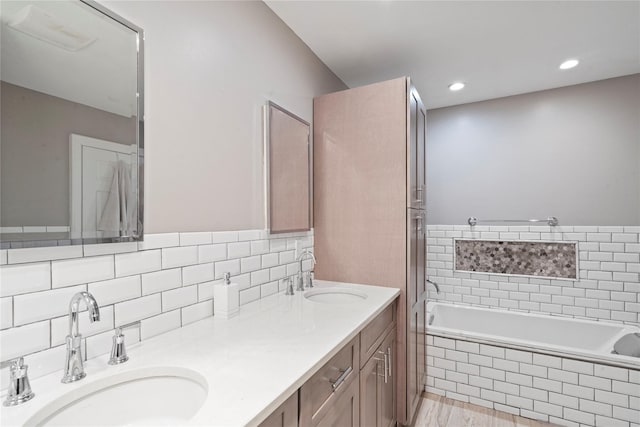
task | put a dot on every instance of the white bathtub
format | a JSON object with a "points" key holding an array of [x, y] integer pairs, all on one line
{"points": [[588, 340]]}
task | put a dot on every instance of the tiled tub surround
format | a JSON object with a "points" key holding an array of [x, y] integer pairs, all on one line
{"points": [[608, 286], [544, 259], [166, 282], [560, 390]]}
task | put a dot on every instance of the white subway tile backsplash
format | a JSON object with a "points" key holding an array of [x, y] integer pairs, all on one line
{"points": [[116, 290], [231, 266], [83, 270], [137, 309], [205, 291], [179, 257], [191, 239], [45, 362], [196, 312], [161, 281], [159, 324], [180, 297], [138, 262], [197, 274], [268, 289], [249, 295], [29, 308], [24, 340], [248, 235], [24, 278], [259, 247], [224, 236], [158, 241], [211, 253], [157, 281], [6, 313], [238, 250]]}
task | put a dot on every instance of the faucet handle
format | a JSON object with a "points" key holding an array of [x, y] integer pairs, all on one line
{"points": [[118, 350], [289, 284], [309, 275], [19, 386]]}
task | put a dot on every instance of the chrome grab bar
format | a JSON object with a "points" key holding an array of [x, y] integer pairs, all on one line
{"points": [[551, 221]]}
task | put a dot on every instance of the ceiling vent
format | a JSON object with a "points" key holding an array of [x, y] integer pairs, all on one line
{"points": [[44, 26]]}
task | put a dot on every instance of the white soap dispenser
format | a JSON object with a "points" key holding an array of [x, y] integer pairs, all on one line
{"points": [[226, 298]]}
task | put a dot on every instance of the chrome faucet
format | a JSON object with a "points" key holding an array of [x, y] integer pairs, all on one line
{"points": [[73, 367], [435, 285], [305, 254]]}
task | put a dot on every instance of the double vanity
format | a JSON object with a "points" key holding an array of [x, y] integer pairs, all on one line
{"points": [[320, 357]]}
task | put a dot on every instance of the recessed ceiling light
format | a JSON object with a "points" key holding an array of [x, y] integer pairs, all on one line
{"points": [[570, 63], [456, 86]]}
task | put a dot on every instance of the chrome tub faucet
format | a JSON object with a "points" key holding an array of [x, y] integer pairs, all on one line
{"points": [[73, 365]]}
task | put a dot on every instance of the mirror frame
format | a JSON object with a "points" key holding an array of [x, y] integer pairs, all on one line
{"points": [[138, 236], [267, 167]]}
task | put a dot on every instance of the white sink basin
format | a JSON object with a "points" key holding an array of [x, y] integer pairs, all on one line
{"points": [[150, 396], [334, 295]]}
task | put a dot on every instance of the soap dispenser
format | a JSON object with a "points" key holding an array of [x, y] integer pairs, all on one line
{"points": [[226, 298]]}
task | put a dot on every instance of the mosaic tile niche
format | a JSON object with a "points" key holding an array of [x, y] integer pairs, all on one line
{"points": [[542, 259]]}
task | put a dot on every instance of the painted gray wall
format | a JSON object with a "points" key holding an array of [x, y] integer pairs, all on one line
{"points": [[210, 67], [34, 171], [572, 152]]}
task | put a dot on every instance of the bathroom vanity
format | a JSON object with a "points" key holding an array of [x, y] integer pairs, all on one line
{"points": [[330, 349]]}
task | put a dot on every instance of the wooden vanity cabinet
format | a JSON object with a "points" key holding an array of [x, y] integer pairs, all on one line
{"points": [[329, 393], [378, 373], [285, 416], [340, 393]]}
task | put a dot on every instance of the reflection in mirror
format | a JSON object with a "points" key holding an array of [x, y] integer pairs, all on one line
{"points": [[71, 113], [288, 167]]}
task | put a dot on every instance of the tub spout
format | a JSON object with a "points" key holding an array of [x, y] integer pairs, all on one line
{"points": [[435, 285]]}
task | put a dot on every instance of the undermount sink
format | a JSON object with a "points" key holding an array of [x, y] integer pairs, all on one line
{"points": [[150, 396], [334, 295]]}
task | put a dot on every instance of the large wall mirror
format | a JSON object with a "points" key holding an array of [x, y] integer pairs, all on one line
{"points": [[71, 141], [288, 170]]}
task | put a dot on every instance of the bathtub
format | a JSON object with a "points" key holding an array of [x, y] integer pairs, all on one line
{"points": [[575, 338]]}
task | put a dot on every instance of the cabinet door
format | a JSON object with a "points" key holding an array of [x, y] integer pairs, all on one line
{"points": [[370, 393], [285, 416], [416, 150], [345, 412], [387, 403]]}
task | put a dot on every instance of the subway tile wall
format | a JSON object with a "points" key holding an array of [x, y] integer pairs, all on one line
{"points": [[607, 289], [553, 389], [166, 282]]}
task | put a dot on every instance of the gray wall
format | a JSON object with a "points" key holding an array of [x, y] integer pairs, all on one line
{"points": [[571, 152], [35, 152], [210, 67]]}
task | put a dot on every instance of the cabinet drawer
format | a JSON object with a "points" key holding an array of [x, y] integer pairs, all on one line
{"points": [[373, 334], [327, 385]]}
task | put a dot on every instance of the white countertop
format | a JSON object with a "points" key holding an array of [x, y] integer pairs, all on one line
{"points": [[252, 362]]}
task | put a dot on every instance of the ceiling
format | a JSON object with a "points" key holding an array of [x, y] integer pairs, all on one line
{"points": [[498, 48], [102, 75]]}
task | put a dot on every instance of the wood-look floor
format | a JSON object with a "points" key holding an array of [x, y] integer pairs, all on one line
{"points": [[439, 411]]}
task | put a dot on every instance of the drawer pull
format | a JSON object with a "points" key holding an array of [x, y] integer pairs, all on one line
{"points": [[343, 376], [390, 361]]}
